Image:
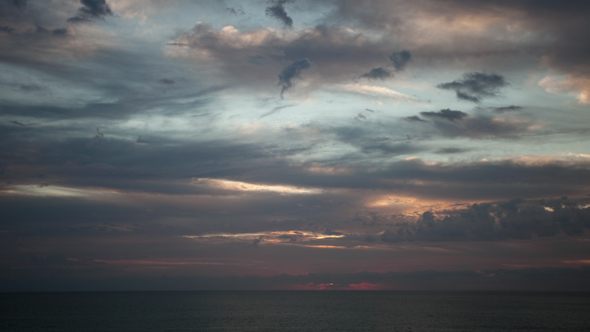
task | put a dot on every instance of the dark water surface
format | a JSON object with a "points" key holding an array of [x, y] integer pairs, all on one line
{"points": [[295, 311]]}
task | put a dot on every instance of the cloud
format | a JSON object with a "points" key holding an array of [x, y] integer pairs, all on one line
{"points": [[391, 149], [314, 168], [504, 109], [232, 10], [17, 123], [251, 56], [514, 219], [92, 9], [6, 29], [414, 118], [445, 114], [167, 81], [456, 124], [570, 84], [400, 59], [56, 32], [377, 74], [278, 11], [244, 186], [450, 150], [290, 72], [377, 91], [475, 86]]}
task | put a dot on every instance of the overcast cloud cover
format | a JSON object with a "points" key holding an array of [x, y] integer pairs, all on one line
{"points": [[294, 144]]}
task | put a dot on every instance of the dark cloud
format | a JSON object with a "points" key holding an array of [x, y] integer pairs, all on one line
{"points": [[514, 219], [337, 53], [445, 114], [29, 87], [256, 59], [391, 149], [277, 11], [55, 32], [504, 109], [481, 126], [290, 72], [475, 86], [166, 81], [451, 150], [377, 74], [17, 123], [400, 59], [414, 118], [92, 9], [234, 11], [459, 124], [6, 29]]}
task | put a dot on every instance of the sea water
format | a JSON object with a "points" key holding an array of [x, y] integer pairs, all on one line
{"points": [[295, 311]]}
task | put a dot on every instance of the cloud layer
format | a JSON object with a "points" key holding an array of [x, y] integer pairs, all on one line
{"points": [[431, 144]]}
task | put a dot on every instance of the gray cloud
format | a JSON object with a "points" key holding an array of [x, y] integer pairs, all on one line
{"points": [[391, 149], [55, 32], [377, 74], [515, 219], [256, 59], [338, 54], [504, 109], [234, 11], [277, 10], [475, 86], [6, 29], [450, 150], [400, 59], [92, 9], [414, 118], [445, 114], [482, 126], [17, 123], [166, 81], [290, 72]]}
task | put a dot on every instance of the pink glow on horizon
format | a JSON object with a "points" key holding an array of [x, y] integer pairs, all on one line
{"points": [[332, 286]]}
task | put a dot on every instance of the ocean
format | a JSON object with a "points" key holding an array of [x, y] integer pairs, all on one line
{"points": [[295, 311]]}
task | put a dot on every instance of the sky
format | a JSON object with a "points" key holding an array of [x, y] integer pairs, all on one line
{"points": [[294, 144]]}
